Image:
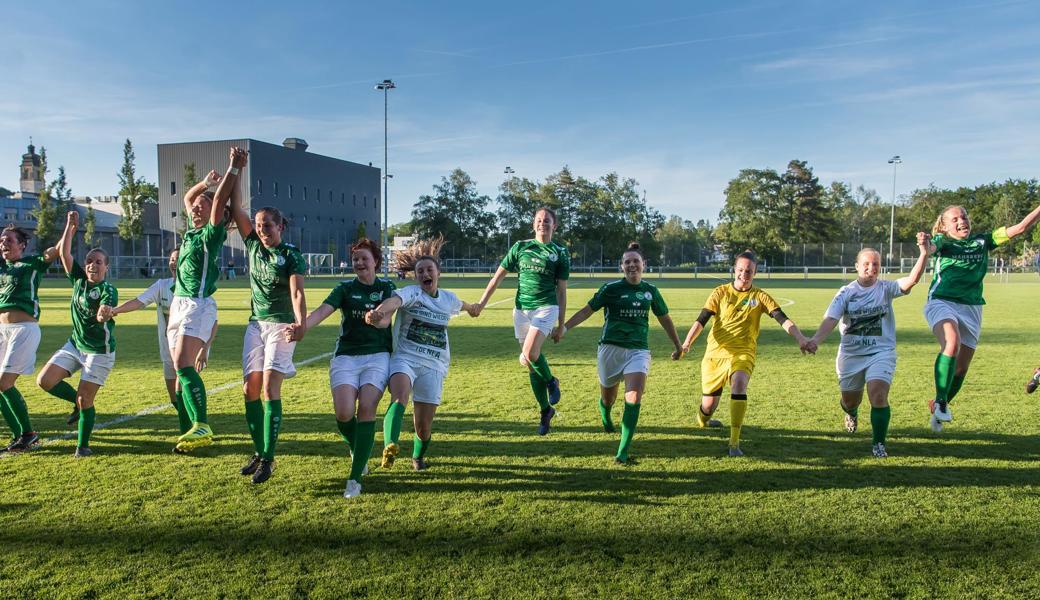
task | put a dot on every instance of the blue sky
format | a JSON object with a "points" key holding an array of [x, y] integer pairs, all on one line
{"points": [[678, 95]]}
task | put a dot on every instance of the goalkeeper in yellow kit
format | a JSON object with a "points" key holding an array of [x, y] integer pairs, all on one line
{"points": [[736, 309]]}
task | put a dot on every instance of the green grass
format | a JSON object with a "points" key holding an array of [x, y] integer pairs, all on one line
{"points": [[504, 513]]}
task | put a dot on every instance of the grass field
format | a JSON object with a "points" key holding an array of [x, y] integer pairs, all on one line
{"points": [[505, 513]]}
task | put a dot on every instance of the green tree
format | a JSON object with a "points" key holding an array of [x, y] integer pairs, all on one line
{"points": [[4, 192], [360, 233], [680, 241], [751, 214], [134, 191], [189, 179], [454, 210], [46, 212], [89, 224], [399, 229]]}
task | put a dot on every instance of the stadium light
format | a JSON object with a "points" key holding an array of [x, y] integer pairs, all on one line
{"points": [[386, 85], [894, 161], [509, 171]]}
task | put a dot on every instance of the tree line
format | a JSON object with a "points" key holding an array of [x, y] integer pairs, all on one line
{"points": [[764, 210]]}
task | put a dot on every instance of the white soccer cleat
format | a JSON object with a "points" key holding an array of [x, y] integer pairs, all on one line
{"points": [[935, 423], [943, 415], [878, 450], [851, 423], [353, 489]]}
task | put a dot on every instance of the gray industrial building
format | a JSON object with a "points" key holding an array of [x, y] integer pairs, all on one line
{"points": [[325, 199]]}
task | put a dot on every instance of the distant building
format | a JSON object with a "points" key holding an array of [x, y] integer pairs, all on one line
{"points": [[325, 199]]}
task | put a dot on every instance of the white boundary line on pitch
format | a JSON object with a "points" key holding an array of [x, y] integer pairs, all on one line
{"points": [[144, 412]]}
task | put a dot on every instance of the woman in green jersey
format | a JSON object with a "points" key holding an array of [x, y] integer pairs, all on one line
{"points": [[92, 346], [359, 371], [193, 310], [19, 330], [624, 349], [543, 267], [954, 307], [276, 270]]}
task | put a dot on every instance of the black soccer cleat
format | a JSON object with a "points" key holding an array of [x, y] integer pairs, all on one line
{"points": [[419, 464], [263, 470], [82, 452], [251, 466], [73, 417], [25, 442], [1034, 382]]}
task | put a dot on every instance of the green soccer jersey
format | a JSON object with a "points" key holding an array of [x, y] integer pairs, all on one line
{"points": [[87, 334], [269, 272], [959, 266], [539, 266], [354, 299], [197, 269], [20, 283], [626, 312]]}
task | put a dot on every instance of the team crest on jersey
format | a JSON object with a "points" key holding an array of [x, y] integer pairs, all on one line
{"points": [[749, 302], [375, 296], [279, 260], [94, 294], [552, 256], [648, 295]]}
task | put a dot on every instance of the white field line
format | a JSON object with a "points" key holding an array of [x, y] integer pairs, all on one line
{"points": [[166, 405], [154, 409]]}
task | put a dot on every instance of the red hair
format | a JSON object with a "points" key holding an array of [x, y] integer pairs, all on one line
{"points": [[373, 248]]}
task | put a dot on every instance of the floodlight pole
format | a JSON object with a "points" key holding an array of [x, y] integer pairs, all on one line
{"points": [[894, 161], [509, 233], [386, 85]]}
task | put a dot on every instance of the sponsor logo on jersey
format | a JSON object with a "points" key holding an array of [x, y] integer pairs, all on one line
{"points": [[94, 294]]}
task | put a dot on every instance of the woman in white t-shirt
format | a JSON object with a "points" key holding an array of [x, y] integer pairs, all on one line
{"points": [[421, 354], [867, 352], [160, 294]]}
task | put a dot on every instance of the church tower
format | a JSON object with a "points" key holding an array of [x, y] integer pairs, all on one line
{"points": [[32, 172]]}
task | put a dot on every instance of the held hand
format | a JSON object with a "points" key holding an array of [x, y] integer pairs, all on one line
{"points": [[213, 179], [473, 310], [374, 317], [72, 219], [202, 359], [557, 333], [104, 313], [299, 330], [678, 353], [239, 158]]}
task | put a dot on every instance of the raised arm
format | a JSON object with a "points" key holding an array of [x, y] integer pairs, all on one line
{"points": [[924, 244], [1024, 225], [227, 183], [492, 285], [240, 216], [50, 254], [213, 178], [65, 243], [380, 316], [669, 328]]}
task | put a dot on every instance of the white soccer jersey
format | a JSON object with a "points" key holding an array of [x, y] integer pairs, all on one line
{"points": [[867, 322], [421, 326], [161, 294]]}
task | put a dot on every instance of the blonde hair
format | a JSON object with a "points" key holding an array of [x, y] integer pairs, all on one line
{"points": [[939, 226], [421, 250], [866, 250]]}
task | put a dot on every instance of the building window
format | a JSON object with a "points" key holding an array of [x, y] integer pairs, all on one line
{"points": [[276, 189], [259, 187], [173, 188], [304, 193], [364, 200], [317, 194], [355, 200], [343, 198], [290, 191], [330, 196]]}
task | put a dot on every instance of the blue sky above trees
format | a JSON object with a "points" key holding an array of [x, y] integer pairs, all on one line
{"points": [[677, 95]]}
